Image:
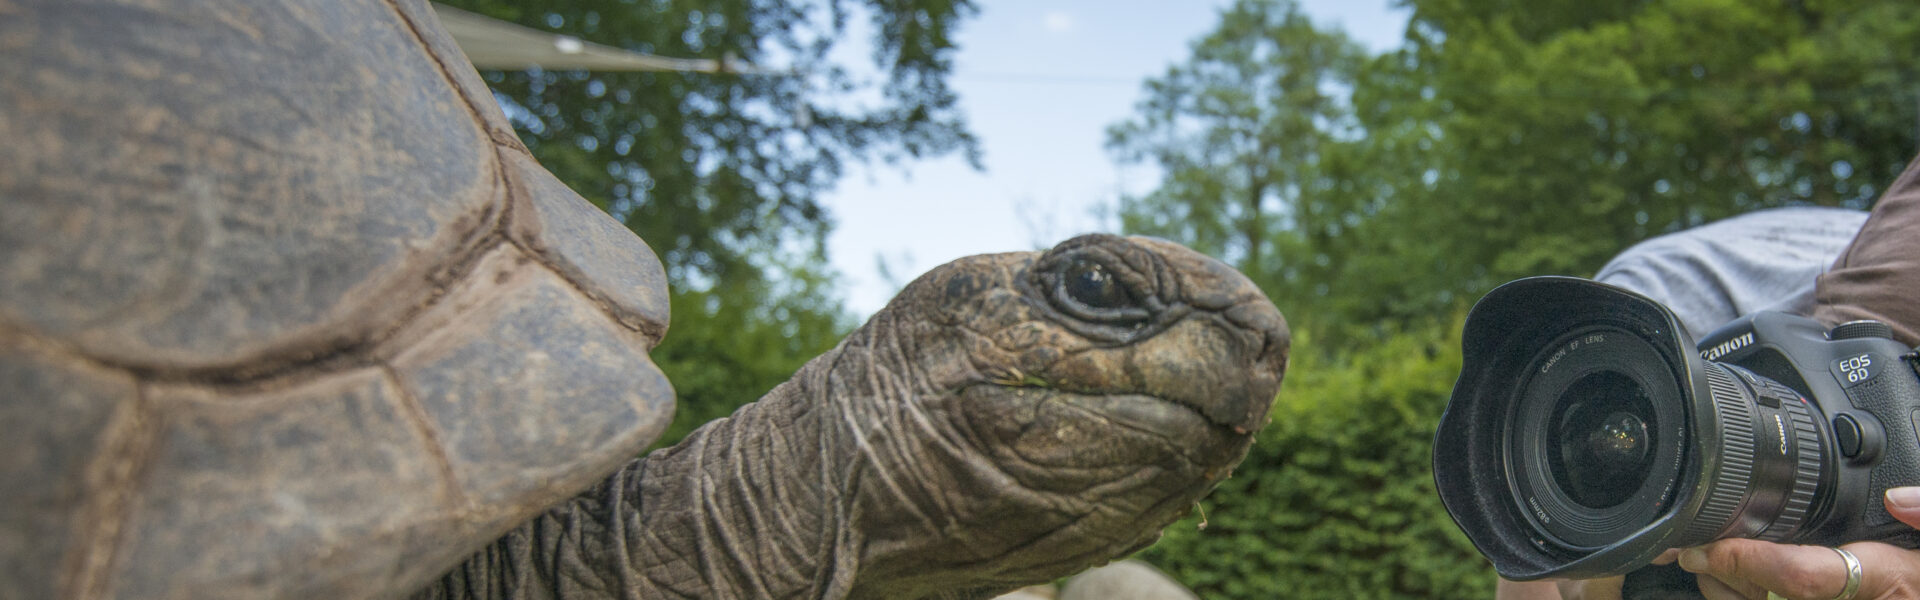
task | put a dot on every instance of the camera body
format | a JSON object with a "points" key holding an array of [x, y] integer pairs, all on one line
{"points": [[1587, 433], [1863, 386]]}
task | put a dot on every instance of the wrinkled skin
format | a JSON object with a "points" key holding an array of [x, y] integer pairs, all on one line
{"points": [[1008, 419]]}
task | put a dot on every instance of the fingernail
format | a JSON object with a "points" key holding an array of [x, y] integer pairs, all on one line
{"points": [[1694, 560], [1904, 497]]}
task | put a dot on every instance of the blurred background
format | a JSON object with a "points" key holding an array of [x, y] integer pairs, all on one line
{"points": [[1375, 165]]}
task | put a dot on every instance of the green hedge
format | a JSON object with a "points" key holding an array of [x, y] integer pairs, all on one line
{"points": [[1336, 498]]}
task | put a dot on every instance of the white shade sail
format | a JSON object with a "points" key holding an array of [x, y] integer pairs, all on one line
{"points": [[493, 44]]}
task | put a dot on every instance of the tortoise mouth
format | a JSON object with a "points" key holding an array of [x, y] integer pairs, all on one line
{"points": [[1151, 421], [1148, 414]]}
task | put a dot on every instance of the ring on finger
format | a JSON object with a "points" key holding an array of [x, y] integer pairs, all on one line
{"points": [[1853, 575]]}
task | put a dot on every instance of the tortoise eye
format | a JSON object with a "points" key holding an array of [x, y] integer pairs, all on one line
{"points": [[1089, 283], [1092, 291]]}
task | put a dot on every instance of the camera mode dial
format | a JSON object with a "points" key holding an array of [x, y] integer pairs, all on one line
{"points": [[1864, 328]]}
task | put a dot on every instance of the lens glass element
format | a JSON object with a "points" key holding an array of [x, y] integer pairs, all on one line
{"points": [[1601, 439]]}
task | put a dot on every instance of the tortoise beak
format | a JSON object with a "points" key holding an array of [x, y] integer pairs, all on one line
{"points": [[1268, 328]]}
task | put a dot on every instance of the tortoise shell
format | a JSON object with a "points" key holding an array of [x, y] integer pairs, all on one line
{"points": [[286, 309]]}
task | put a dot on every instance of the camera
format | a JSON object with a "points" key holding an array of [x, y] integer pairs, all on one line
{"points": [[1588, 433]]}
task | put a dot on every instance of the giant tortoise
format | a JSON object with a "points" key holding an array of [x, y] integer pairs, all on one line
{"points": [[287, 311]]}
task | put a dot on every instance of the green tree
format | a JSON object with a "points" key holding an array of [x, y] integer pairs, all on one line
{"points": [[1568, 130], [1506, 140], [721, 173], [1243, 132]]}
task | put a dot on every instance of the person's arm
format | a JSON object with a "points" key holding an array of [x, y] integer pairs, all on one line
{"points": [[1878, 275]]}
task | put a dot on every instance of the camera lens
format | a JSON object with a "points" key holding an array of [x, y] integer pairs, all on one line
{"points": [[1604, 445], [1595, 443], [1601, 433], [1587, 434]]}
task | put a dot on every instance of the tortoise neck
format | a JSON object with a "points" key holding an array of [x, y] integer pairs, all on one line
{"points": [[753, 505], [820, 489]]}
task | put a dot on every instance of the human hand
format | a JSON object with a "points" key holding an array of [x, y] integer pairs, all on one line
{"points": [[1751, 569]]}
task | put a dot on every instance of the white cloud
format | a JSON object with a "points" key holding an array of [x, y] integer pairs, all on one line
{"points": [[1057, 21]]}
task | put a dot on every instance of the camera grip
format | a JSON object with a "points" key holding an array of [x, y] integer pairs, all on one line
{"points": [[1893, 399]]}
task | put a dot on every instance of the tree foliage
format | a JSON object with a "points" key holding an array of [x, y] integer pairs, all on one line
{"points": [[1242, 132], [721, 173], [1508, 139], [1503, 139], [1569, 130]]}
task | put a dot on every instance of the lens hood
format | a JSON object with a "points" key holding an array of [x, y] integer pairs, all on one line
{"points": [[1506, 334]]}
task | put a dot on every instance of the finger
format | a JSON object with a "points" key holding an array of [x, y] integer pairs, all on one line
{"points": [[1797, 572], [1904, 504], [1667, 557], [1715, 589], [1592, 589], [1526, 590]]}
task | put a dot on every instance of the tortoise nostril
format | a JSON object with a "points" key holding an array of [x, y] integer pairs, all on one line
{"points": [[1259, 317], [1279, 342]]}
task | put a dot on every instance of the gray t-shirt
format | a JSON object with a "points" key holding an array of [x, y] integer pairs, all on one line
{"points": [[1713, 273]]}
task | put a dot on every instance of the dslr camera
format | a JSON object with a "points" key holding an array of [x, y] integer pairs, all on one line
{"points": [[1587, 433]]}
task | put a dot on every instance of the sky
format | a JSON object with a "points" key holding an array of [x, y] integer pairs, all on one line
{"points": [[1039, 81]]}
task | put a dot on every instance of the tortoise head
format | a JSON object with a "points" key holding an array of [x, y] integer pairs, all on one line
{"points": [[1028, 415]]}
